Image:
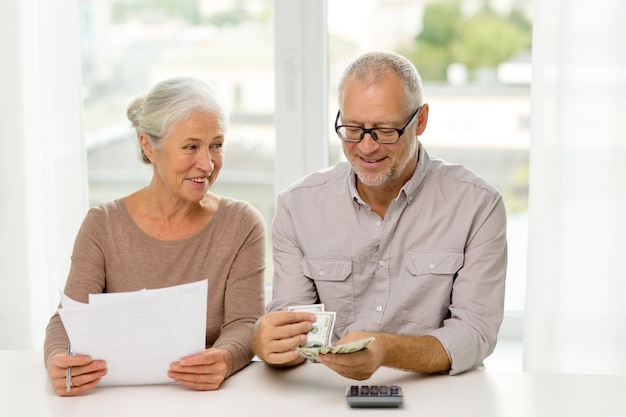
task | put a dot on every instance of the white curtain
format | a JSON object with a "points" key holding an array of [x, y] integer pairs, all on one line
{"points": [[576, 295], [43, 181]]}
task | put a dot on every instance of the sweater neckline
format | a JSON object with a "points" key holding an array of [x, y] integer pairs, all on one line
{"points": [[134, 227]]}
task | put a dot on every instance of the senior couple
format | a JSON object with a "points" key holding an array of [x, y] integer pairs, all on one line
{"points": [[404, 247]]}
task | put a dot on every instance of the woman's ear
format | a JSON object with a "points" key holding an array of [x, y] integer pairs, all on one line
{"points": [[146, 146]]}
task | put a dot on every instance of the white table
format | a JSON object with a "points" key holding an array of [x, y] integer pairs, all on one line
{"points": [[313, 390]]}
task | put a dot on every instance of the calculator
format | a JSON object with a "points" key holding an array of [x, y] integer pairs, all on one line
{"points": [[374, 396]]}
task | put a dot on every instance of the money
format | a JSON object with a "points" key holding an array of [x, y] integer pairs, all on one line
{"points": [[350, 347], [313, 308], [322, 331], [319, 338]]}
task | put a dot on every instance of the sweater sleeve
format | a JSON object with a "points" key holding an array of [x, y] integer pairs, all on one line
{"points": [[244, 295], [87, 275]]}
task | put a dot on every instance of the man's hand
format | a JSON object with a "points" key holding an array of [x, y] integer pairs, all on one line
{"points": [[276, 336], [424, 354], [358, 365]]}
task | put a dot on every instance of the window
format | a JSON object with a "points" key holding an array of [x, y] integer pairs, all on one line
{"points": [[480, 108]]}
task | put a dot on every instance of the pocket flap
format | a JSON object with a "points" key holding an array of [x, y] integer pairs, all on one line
{"points": [[434, 262], [326, 268]]}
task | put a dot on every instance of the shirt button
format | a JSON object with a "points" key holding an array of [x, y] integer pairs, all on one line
{"points": [[431, 266], [379, 309], [381, 263], [322, 273], [378, 223]]}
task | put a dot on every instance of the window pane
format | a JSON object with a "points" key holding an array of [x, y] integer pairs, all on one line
{"points": [[130, 45]]}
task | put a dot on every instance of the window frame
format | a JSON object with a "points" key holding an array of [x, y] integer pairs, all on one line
{"points": [[301, 74]]}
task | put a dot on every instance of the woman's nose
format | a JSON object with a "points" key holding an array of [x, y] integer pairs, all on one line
{"points": [[205, 161]]}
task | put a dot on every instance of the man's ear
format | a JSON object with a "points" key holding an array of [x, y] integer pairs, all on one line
{"points": [[146, 146], [422, 119]]}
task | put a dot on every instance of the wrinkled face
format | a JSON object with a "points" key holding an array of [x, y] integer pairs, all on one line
{"points": [[379, 104], [189, 158]]}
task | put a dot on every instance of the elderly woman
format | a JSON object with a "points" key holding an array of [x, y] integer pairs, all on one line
{"points": [[172, 231]]}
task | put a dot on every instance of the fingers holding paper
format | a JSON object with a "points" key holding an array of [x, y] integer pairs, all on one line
{"points": [[84, 373], [205, 371]]}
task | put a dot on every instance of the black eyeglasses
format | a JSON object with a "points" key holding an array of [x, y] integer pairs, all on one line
{"points": [[386, 135]]}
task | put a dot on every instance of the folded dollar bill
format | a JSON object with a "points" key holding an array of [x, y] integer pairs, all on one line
{"points": [[350, 347], [322, 331]]}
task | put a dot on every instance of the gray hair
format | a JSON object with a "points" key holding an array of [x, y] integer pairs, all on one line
{"points": [[372, 66], [169, 102]]}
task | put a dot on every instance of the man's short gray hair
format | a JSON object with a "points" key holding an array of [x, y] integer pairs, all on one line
{"points": [[372, 66]]}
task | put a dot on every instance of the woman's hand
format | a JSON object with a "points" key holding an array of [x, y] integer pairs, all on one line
{"points": [[204, 371], [85, 373]]}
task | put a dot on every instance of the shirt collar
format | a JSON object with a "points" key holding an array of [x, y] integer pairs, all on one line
{"points": [[422, 169]]}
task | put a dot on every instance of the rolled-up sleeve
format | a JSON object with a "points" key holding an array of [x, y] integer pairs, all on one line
{"points": [[477, 300]]}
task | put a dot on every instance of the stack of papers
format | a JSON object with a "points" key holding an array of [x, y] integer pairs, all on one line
{"points": [[140, 333]]}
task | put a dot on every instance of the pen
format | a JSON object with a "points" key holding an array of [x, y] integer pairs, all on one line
{"points": [[68, 371]]}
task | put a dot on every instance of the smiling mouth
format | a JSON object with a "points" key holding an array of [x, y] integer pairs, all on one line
{"points": [[199, 180], [371, 161]]}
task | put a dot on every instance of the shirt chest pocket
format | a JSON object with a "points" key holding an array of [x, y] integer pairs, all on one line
{"points": [[334, 283], [427, 288], [444, 262]]}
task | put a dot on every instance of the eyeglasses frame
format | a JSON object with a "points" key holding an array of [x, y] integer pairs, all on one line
{"points": [[364, 130]]}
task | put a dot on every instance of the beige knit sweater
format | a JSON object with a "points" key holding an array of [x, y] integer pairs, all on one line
{"points": [[112, 254]]}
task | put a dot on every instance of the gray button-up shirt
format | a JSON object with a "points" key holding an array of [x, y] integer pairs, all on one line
{"points": [[435, 265]]}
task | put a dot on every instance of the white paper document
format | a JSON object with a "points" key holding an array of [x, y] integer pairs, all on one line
{"points": [[140, 333]]}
